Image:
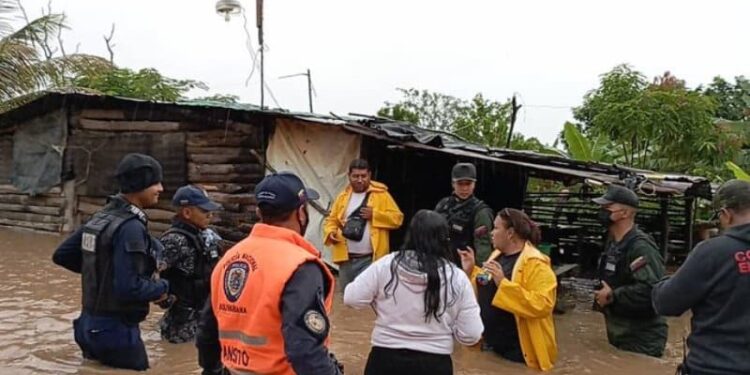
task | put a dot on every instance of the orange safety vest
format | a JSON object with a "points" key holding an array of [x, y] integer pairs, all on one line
{"points": [[247, 285]]}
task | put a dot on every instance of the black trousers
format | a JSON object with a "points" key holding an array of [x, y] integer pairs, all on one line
{"points": [[384, 361]]}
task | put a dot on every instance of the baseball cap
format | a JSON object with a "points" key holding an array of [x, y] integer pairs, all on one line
{"points": [[284, 191], [464, 171], [733, 194], [618, 194], [191, 195]]}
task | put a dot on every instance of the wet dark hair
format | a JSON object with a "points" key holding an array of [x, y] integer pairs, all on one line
{"points": [[522, 225], [358, 164], [427, 238]]}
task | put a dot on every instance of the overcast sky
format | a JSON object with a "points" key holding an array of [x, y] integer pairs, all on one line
{"points": [[548, 52]]}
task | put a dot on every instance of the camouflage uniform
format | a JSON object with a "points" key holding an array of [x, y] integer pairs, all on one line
{"points": [[188, 264]]}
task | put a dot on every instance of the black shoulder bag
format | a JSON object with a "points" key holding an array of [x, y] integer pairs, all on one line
{"points": [[354, 229]]}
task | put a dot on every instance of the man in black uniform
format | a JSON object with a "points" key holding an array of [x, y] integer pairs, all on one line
{"points": [[714, 283], [470, 219], [190, 253], [630, 266], [116, 258]]}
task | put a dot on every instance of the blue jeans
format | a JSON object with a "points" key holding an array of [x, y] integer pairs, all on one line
{"points": [[110, 341]]}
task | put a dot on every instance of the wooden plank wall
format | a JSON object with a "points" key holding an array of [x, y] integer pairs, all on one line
{"points": [[41, 213], [217, 157], [6, 158]]}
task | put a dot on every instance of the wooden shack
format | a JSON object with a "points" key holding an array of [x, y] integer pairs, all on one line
{"points": [[220, 156], [58, 153]]}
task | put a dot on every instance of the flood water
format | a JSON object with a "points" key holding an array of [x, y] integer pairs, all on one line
{"points": [[39, 300]]}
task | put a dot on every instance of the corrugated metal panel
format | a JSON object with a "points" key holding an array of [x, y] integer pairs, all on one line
{"points": [[405, 134], [95, 155], [6, 158]]}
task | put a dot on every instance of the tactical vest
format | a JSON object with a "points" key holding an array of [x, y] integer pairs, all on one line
{"points": [[97, 272], [192, 290], [613, 266], [460, 216]]}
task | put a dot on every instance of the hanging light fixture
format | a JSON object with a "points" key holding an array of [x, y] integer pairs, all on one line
{"points": [[227, 8]]}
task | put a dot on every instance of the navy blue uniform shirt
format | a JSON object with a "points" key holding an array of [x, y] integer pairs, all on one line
{"points": [[131, 244]]}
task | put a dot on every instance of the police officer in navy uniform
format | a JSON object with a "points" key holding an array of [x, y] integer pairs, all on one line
{"points": [[191, 250], [116, 258], [470, 219]]}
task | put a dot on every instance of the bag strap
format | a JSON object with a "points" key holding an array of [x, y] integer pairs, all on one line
{"points": [[364, 201], [355, 213]]}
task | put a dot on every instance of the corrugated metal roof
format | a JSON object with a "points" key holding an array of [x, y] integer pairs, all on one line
{"points": [[409, 135]]}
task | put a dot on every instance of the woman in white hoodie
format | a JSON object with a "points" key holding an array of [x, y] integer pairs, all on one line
{"points": [[423, 303]]}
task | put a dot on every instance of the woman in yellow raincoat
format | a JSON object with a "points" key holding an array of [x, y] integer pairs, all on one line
{"points": [[516, 289]]}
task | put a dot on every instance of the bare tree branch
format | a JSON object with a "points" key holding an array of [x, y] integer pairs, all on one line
{"points": [[60, 40], [23, 12], [110, 45], [44, 43]]}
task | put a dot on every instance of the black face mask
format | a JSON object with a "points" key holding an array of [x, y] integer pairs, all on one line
{"points": [[303, 227], [605, 217]]}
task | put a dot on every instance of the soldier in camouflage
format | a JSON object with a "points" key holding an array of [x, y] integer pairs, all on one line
{"points": [[191, 250]]}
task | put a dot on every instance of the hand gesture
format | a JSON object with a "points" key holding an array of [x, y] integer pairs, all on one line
{"points": [[366, 213], [467, 259], [494, 269], [332, 238]]}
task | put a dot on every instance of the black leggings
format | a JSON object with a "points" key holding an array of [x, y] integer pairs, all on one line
{"points": [[384, 361]]}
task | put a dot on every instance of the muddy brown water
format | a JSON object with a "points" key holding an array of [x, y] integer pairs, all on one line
{"points": [[39, 300]]}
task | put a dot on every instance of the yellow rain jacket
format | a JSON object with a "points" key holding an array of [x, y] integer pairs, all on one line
{"points": [[530, 295], [386, 216]]}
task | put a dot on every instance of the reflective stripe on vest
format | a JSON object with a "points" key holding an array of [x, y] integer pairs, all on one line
{"points": [[243, 338], [239, 372], [247, 285]]}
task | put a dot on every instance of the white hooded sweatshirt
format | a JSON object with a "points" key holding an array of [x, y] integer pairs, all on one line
{"points": [[400, 322]]}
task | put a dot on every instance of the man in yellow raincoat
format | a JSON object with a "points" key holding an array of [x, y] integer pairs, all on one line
{"points": [[358, 228], [516, 289]]}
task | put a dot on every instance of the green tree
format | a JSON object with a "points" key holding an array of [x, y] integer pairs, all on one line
{"points": [[146, 84], [25, 66], [427, 109], [657, 125], [732, 99], [483, 121], [478, 120]]}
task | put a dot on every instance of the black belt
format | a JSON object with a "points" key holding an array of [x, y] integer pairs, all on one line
{"points": [[358, 256]]}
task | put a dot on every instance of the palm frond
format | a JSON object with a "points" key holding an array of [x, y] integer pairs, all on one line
{"points": [[57, 71], [38, 29], [17, 69], [7, 8]]}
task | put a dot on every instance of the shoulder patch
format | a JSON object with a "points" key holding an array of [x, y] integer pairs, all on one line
{"points": [[638, 263], [88, 242], [315, 322], [481, 231], [234, 280]]}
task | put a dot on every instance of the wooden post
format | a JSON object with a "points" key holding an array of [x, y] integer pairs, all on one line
{"points": [[664, 214], [70, 216], [689, 221]]}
